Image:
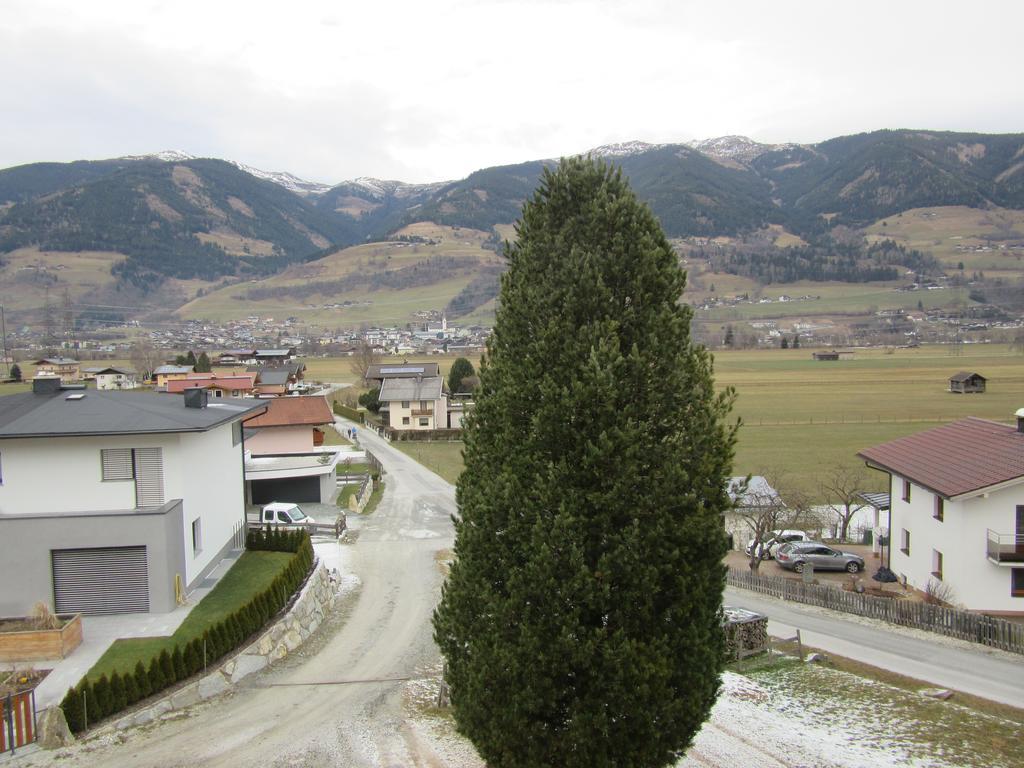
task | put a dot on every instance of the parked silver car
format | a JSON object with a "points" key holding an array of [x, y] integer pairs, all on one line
{"points": [[795, 555]]}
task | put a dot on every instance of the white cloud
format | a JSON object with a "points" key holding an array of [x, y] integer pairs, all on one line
{"points": [[426, 91]]}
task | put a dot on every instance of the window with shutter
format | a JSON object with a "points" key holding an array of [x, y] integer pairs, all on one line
{"points": [[116, 463], [149, 477]]}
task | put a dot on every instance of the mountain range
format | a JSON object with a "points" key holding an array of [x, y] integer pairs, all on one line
{"points": [[175, 215]]}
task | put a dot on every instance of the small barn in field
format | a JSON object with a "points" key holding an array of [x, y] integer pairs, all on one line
{"points": [[966, 382]]}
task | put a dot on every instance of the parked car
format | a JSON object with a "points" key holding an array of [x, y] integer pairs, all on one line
{"points": [[775, 540], [283, 513], [795, 555]]}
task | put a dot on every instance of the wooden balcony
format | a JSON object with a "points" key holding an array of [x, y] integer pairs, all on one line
{"points": [[422, 411], [1005, 549]]}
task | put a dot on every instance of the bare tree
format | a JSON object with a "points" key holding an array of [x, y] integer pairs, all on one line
{"points": [[840, 489], [145, 357], [759, 504], [365, 357]]}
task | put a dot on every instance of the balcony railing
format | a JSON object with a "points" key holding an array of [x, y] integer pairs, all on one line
{"points": [[422, 411], [1005, 548]]}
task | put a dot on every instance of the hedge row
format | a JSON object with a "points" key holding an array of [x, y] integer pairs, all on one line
{"points": [[274, 539], [349, 413], [89, 702]]}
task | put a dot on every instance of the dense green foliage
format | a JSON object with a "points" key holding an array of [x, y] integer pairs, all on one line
{"points": [[370, 400], [461, 368], [91, 701], [580, 620]]}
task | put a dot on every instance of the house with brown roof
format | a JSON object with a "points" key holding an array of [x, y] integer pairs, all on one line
{"points": [[285, 458], [239, 385], [957, 510], [68, 370]]}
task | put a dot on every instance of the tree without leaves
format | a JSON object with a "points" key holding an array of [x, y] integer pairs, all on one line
{"points": [[461, 369], [765, 510], [580, 620], [145, 357], [840, 488], [364, 358]]}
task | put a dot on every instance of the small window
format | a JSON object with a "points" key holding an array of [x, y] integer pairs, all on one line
{"points": [[940, 508], [1017, 582], [906, 490], [405, 403], [424, 405], [268, 516], [117, 464], [937, 564], [284, 516], [424, 421], [405, 420], [904, 541], [197, 536]]}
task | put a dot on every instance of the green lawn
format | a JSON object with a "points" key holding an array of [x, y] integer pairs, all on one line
{"points": [[443, 458], [253, 573]]}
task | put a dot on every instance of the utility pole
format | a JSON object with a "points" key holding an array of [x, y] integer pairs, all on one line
{"points": [[69, 321]]}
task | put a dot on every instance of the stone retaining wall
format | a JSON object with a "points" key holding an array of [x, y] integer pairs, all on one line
{"points": [[315, 601]]}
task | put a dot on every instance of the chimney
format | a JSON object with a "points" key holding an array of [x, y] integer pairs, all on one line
{"points": [[195, 397], [45, 385], [1020, 420]]}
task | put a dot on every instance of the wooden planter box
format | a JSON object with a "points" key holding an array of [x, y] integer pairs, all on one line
{"points": [[40, 644]]}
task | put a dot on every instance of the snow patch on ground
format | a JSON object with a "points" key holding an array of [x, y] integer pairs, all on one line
{"points": [[418, 533]]}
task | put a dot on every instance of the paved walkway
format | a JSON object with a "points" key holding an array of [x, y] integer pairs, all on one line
{"points": [[99, 632], [962, 666]]}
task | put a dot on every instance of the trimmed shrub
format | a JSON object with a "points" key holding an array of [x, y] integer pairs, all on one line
{"points": [[131, 689], [178, 662], [194, 656], [157, 679], [142, 681], [167, 668], [102, 697], [73, 710], [118, 697]]}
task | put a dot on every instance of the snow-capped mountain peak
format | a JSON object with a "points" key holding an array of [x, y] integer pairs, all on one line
{"points": [[623, 149], [287, 180], [167, 155], [738, 148]]}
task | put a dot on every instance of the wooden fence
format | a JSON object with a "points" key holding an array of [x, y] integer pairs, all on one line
{"points": [[952, 622]]}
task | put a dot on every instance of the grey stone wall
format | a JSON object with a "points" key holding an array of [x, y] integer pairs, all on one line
{"points": [[289, 632]]}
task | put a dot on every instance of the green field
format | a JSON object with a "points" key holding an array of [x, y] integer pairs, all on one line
{"points": [[801, 417]]}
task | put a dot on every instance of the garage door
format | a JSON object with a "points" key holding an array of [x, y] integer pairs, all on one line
{"points": [[294, 489], [100, 581]]}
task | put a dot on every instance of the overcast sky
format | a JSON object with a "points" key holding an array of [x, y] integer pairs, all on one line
{"points": [[429, 90]]}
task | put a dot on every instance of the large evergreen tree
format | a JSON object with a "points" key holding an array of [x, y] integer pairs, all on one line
{"points": [[580, 620], [461, 369]]}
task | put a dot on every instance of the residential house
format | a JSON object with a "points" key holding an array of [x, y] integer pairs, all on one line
{"points": [[116, 378], [64, 368], [239, 385], [414, 403], [376, 374], [276, 380], [748, 496], [967, 382], [166, 373], [112, 501], [285, 456], [957, 510]]}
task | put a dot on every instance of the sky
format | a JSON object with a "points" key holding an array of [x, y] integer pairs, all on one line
{"points": [[432, 90]]}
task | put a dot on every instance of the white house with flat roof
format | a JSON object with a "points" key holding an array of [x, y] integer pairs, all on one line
{"points": [[111, 500]]}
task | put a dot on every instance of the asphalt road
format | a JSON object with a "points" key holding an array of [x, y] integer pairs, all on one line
{"points": [[962, 666]]}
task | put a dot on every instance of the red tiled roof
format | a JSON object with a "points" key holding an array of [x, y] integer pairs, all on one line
{"points": [[217, 382], [293, 411], [954, 459]]}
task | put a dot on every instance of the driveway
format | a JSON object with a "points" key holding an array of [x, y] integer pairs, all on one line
{"points": [[342, 703]]}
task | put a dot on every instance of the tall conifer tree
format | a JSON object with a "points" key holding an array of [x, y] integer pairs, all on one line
{"points": [[580, 620]]}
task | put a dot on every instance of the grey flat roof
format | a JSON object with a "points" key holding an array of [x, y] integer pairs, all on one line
{"points": [[112, 413], [428, 388]]}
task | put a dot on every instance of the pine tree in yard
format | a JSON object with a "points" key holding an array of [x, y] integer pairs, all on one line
{"points": [[580, 620], [461, 369]]}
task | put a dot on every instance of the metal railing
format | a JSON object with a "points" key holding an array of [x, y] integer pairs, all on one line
{"points": [[1005, 548]]}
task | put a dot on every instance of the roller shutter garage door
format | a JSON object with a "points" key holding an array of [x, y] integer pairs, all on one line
{"points": [[100, 581]]}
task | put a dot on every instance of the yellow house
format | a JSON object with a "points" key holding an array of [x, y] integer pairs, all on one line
{"points": [[166, 373], [67, 369]]}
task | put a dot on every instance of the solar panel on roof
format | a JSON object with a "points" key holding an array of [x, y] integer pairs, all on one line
{"points": [[390, 369]]}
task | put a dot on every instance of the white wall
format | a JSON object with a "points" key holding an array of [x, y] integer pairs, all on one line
{"points": [[961, 538], [211, 484], [63, 474], [437, 420]]}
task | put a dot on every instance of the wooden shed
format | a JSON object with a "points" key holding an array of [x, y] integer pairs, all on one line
{"points": [[966, 382]]}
